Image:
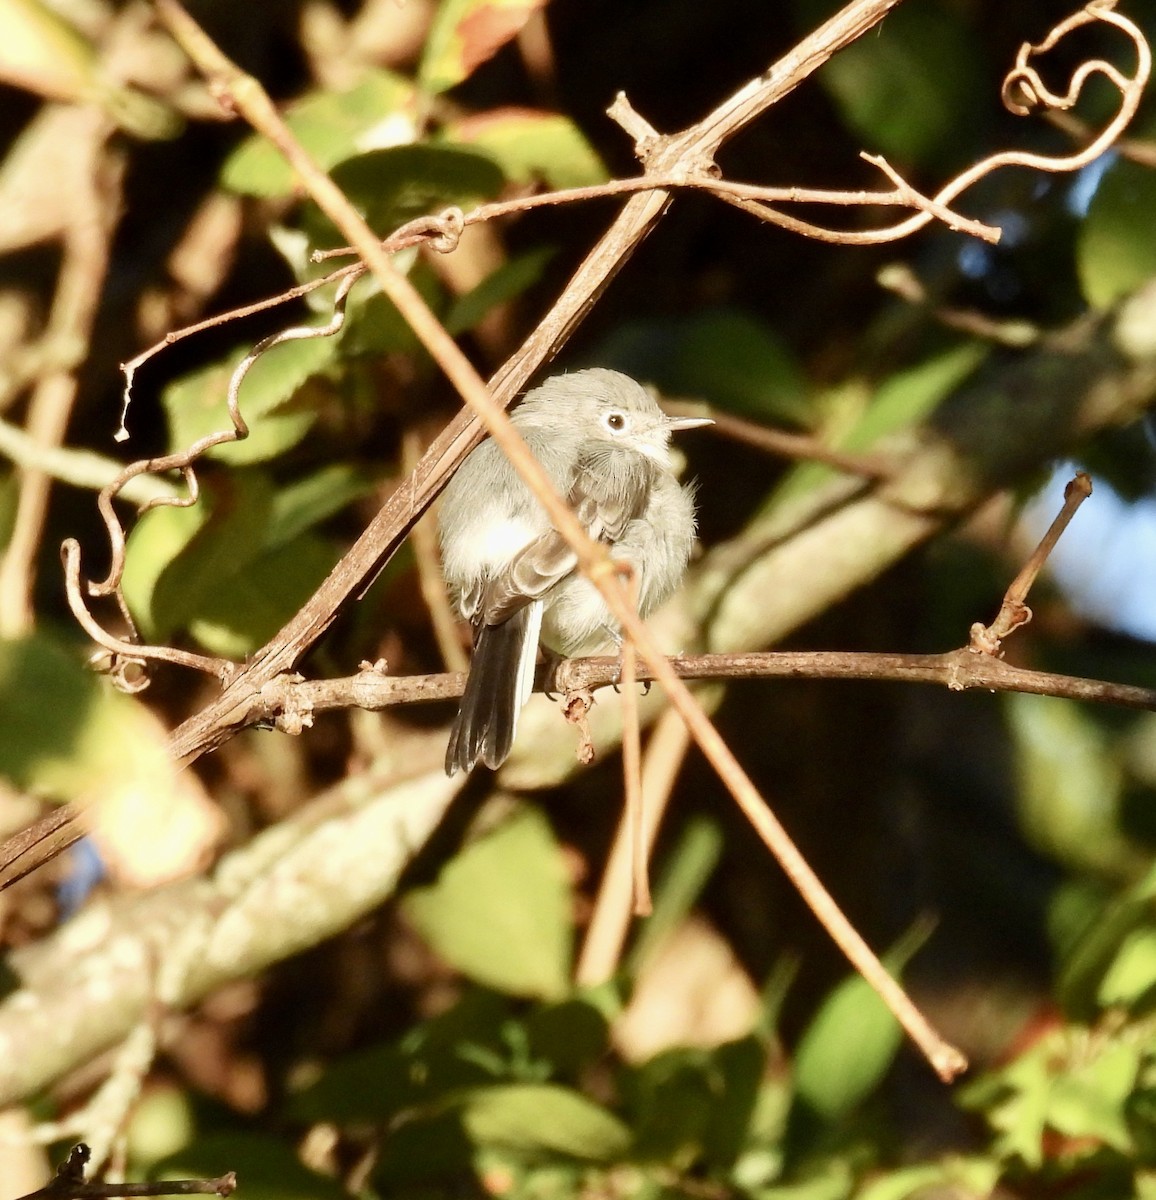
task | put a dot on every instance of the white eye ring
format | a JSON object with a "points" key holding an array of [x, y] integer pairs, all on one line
{"points": [[615, 422]]}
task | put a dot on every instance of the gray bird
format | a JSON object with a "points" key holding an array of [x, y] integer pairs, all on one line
{"points": [[605, 444]]}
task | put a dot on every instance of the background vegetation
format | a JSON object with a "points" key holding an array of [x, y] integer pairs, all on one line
{"points": [[229, 974]]}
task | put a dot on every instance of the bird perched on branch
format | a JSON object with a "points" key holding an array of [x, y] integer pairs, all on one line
{"points": [[605, 444]]}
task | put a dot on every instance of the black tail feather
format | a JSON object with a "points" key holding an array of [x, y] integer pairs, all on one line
{"points": [[488, 717]]}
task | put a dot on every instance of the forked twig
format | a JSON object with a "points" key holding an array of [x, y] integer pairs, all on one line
{"points": [[1013, 612]]}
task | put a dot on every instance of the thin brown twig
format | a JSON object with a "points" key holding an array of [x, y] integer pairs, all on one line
{"points": [[87, 245], [900, 279], [429, 573], [606, 933], [1013, 612], [632, 766], [1139, 150], [130, 368], [69, 1184], [778, 441]]}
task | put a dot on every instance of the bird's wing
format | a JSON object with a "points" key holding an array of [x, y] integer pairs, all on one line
{"points": [[549, 558]]}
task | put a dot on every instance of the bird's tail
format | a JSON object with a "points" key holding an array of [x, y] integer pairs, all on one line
{"points": [[500, 681]]}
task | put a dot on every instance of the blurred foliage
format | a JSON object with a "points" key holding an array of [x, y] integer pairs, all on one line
{"points": [[441, 1048]]}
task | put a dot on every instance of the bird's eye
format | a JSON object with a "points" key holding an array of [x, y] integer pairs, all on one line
{"points": [[615, 422]]}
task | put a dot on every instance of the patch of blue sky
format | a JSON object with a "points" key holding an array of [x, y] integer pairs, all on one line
{"points": [[1105, 564]]}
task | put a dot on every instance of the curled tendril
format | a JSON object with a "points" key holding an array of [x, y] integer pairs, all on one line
{"points": [[124, 653]]}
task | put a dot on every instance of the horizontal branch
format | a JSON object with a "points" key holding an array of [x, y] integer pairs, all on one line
{"points": [[291, 703]]}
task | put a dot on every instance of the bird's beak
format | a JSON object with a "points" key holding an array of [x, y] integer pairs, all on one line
{"points": [[676, 423]]}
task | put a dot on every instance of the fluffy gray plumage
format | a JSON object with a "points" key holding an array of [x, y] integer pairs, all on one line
{"points": [[605, 445]]}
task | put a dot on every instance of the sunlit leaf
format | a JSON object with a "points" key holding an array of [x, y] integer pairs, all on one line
{"points": [[64, 735], [851, 1041], [42, 52], [530, 144], [1133, 970], [1089, 1099], [465, 33], [544, 1117], [500, 910], [331, 126], [178, 558], [1116, 245], [196, 404], [913, 394]]}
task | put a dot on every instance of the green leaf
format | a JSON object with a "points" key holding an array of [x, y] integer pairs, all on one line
{"points": [[905, 87], [425, 1149], [307, 502], [830, 1180], [500, 912], [50, 703], [178, 558], [846, 1049], [852, 1040], [423, 1072], [235, 567], [510, 280], [268, 1169], [910, 396], [671, 1097], [1089, 1099], [1015, 1101], [530, 144], [735, 361], [154, 544], [332, 126], [373, 325], [196, 404], [567, 1035], [247, 607], [394, 185], [1116, 245], [953, 1177], [465, 33], [544, 1118], [738, 1067], [1069, 784], [1132, 973]]}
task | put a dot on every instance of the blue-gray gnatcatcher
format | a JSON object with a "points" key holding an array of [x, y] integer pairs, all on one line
{"points": [[605, 444]]}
